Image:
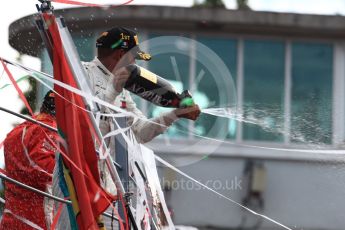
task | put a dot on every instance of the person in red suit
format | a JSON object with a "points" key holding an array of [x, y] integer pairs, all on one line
{"points": [[30, 159]]}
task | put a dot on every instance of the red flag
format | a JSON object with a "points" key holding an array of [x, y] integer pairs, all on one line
{"points": [[74, 126]]}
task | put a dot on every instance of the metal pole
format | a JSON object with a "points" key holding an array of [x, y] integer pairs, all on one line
{"points": [[29, 119], [43, 125], [32, 189]]}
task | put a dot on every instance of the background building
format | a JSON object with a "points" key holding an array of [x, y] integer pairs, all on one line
{"points": [[289, 75]]}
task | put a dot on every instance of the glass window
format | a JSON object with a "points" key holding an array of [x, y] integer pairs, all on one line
{"points": [[46, 67], [263, 97], [86, 46], [209, 94], [172, 64], [311, 110]]}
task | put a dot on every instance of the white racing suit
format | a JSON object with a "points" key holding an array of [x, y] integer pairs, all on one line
{"points": [[101, 83], [144, 131]]}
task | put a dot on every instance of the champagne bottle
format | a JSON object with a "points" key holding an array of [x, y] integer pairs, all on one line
{"points": [[155, 89]]}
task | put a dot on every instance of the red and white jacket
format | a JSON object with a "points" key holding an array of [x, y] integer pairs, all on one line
{"points": [[100, 80], [30, 159]]}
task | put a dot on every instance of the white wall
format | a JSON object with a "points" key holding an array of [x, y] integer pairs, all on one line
{"points": [[300, 195]]}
